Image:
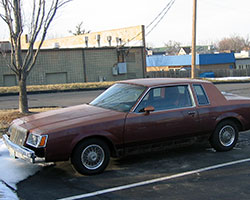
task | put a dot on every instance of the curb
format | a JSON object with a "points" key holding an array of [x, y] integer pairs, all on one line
{"points": [[53, 91]]}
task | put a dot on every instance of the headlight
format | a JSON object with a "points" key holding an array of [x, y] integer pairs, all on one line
{"points": [[37, 140]]}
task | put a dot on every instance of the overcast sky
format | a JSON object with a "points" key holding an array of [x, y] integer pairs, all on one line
{"points": [[215, 19]]}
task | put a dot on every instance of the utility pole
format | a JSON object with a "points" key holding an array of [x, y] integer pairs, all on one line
{"points": [[193, 67]]}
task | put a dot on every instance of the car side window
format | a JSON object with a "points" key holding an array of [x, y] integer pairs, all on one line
{"points": [[200, 94], [164, 98]]}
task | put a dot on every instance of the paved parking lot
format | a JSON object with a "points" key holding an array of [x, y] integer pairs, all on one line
{"points": [[186, 173], [194, 172]]}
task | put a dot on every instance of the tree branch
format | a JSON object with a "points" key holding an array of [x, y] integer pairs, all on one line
{"points": [[49, 17]]}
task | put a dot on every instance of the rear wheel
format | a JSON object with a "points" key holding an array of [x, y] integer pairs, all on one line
{"points": [[91, 156], [225, 136]]}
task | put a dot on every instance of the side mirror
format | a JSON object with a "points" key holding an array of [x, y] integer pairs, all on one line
{"points": [[149, 109]]}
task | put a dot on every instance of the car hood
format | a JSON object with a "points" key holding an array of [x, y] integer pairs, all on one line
{"points": [[55, 119]]}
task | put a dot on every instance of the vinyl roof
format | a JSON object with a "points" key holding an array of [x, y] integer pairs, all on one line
{"points": [[149, 82]]}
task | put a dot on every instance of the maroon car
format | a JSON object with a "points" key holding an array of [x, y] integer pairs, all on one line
{"points": [[131, 116]]}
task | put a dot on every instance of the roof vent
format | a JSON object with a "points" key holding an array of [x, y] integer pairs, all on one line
{"points": [[56, 45]]}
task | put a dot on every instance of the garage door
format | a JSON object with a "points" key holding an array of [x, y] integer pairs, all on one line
{"points": [[56, 78]]}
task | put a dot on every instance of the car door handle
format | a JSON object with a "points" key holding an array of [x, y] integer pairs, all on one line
{"points": [[192, 113]]}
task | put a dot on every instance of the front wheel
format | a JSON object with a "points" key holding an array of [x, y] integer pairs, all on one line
{"points": [[225, 136], [91, 157]]}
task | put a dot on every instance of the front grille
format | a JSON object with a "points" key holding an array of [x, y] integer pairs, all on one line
{"points": [[17, 134]]}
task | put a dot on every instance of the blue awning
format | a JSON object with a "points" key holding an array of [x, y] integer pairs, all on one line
{"points": [[185, 60]]}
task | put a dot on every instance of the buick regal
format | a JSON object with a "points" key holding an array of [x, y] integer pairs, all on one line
{"points": [[131, 116]]}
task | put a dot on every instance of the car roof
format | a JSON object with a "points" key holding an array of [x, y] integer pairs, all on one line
{"points": [[150, 82]]}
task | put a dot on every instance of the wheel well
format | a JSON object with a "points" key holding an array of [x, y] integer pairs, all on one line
{"points": [[107, 141], [235, 120]]}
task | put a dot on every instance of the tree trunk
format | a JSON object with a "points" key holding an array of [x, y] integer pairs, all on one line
{"points": [[23, 100]]}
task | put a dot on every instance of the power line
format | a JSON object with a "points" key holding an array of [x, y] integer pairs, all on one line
{"points": [[162, 14], [159, 14], [167, 8]]}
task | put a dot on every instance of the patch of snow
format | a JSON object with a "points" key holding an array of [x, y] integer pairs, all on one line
{"points": [[231, 78], [230, 96], [13, 171], [6, 193]]}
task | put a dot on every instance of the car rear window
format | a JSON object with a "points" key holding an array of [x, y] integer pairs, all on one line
{"points": [[200, 95]]}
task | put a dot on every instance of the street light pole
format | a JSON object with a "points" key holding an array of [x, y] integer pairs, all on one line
{"points": [[193, 67]]}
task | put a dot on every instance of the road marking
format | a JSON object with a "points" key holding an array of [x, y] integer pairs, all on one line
{"points": [[142, 183]]}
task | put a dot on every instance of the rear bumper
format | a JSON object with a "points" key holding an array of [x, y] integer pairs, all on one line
{"points": [[19, 151]]}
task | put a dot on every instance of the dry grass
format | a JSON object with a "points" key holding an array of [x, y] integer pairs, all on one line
{"points": [[7, 116], [58, 87]]}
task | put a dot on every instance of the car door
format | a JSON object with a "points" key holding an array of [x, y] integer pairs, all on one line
{"points": [[174, 116], [207, 113]]}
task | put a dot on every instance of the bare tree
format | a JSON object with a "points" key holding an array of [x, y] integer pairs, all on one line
{"points": [[172, 47], [234, 43], [79, 30], [42, 14]]}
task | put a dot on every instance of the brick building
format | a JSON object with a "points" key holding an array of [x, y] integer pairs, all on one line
{"points": [[79, 65], [93, 57]]}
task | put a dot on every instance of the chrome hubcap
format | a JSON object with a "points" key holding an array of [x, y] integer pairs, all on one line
{"points": [[227, 135], [92, 157]]}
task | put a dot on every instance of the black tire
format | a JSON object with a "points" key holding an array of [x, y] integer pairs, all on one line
{"points": [[91, 156], [225, 136]]}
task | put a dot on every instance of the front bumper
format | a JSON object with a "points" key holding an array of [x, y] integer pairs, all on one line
{"points": [[17, 151]]}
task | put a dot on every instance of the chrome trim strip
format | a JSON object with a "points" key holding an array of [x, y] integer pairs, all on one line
{"points": [[138, 102], [191, 95], [19, 151]]}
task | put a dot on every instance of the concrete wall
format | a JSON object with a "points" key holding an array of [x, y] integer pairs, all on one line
{"points": [[99, 64], [6, 75], [57, 64], [77, 65]]}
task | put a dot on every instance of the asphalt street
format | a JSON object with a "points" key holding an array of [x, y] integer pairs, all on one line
{"points": [[193, 172], [60, 99], [64, 99]]}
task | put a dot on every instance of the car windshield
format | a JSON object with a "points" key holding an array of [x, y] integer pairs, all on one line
{"points": [[119, 97]]}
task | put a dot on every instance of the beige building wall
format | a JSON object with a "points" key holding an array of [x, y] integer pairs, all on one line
{"points": [[131, 36]]}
